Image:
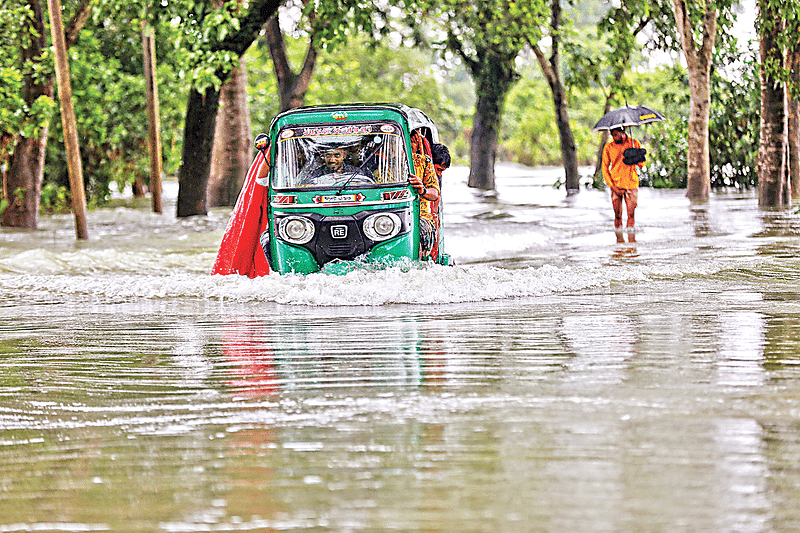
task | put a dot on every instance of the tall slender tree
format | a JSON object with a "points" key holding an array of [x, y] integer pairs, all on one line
{"points": [[773, 184], [68, 119], [691, 20], [153, 116], [552, 72]]}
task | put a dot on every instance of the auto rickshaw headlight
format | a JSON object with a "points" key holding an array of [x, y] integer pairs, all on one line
{"points": [[382, 226], [296, 230]]}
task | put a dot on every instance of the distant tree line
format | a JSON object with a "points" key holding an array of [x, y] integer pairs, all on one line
{"points": [[506, 80]]}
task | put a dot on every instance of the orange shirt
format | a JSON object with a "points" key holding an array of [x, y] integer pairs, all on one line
{"points": [[617, 173], [423, 167]]}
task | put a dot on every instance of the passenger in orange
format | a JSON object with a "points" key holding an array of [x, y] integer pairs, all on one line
{"points": [[426, 185], [621, 175]]}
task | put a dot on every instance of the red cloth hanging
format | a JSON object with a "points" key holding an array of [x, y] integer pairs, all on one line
{"points": [[240, 251]]}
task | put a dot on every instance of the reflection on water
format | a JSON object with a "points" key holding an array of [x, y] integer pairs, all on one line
{"points": [[700, 222], [554, 381], [625, 252], [742, 352], [266, 358]]}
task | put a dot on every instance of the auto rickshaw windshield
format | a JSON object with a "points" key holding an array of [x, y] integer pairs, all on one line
{"points": [[332, 155]]}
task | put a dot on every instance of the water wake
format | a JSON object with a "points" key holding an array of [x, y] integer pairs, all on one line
{"points": [[424, 284]]}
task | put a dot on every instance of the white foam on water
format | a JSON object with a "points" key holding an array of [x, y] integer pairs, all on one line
{"points": [[98, 261], [414, 284]]}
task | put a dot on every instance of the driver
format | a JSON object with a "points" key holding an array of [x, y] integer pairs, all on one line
{"points": [[333, 162]]}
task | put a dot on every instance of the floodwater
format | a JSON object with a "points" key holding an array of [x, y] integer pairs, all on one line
{"points": [[554, 380]]}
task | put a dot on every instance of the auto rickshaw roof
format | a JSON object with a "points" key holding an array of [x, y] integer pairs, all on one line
{"points": [[343, 113]]}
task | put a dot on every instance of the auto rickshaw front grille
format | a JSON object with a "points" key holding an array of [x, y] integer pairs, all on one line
{"points": [[340, 250], [347, 247]]}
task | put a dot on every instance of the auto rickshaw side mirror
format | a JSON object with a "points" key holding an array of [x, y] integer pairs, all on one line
{"points": [[262, 142]]}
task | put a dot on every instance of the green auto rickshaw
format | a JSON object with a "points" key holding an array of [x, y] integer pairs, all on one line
{"points": [[334, 192]]}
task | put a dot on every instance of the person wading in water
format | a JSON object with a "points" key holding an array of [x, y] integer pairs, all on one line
{"points": [[620, 172]]}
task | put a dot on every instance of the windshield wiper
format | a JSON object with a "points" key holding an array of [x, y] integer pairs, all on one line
{"points": [[354, 173]]}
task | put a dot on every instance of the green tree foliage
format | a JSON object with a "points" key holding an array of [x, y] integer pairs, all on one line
{"points": [[335, 21], [108, 93], [488, 36], [16, 116], [621, 52], [733, 126], [361, 71], [107, 77], [529, 135], [194, 35]]}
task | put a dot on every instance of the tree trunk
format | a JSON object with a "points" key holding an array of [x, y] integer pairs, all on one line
{"points": [[292, 87], [233, 146], [569, 152], [772, 183], [494, 77], [698, 159], [483, 143], [68, 120], [198, 140], [201, 114], [23, 181], [153, 118], [552, 73], [698, 63], [794, 125]]}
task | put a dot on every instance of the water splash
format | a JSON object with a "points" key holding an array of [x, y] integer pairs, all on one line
{"points": [[427, 284]]}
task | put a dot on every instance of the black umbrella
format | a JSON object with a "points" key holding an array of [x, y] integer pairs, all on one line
{"points": [[628, 115]]}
